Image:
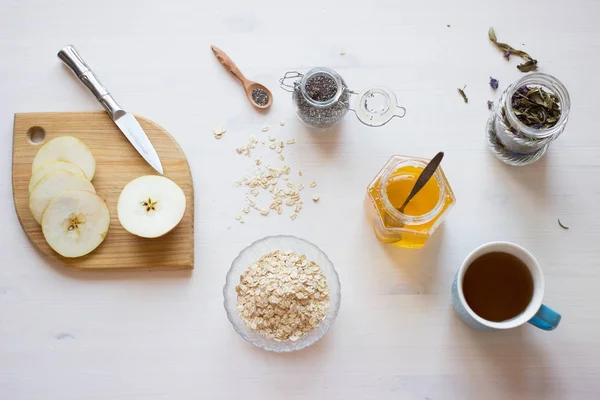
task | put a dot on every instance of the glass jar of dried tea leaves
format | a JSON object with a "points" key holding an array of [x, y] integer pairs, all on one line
{"points": [[531, 113], [322, 98]]}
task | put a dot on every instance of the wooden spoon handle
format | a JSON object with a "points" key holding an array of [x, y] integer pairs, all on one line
{"points": [[229, 64], [426, 174]]}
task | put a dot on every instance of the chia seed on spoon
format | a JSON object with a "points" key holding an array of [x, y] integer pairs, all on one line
{"points": [[260, 97]]}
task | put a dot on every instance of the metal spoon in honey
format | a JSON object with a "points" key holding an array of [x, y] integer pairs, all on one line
{"points": [[257, 94], [423, 178]]}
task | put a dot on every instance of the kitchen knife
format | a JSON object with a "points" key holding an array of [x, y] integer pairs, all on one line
{"points": [[124, 120]]}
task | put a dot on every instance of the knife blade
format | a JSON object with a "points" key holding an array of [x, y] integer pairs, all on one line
{"points": [[125, 121]]}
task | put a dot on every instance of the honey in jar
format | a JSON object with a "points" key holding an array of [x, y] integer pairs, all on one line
{"points": [[422, 215]]}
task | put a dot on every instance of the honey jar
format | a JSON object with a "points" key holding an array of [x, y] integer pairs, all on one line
{"points": [[421, 216]]}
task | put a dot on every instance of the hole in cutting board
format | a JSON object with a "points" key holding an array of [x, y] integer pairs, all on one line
{"points": [[36, 134]]}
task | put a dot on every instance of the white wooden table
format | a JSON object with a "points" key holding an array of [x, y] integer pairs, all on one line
{"points": [[157, 335]]}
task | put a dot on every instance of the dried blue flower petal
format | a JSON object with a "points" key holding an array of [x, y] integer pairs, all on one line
{"points": [[524, 89], [538, 126], [494, 83], [507, 54]]}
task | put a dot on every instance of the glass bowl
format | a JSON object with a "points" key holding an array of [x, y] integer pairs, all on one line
{"points": [[253, 253]]}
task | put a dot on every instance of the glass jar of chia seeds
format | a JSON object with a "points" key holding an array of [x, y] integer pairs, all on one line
{"points": [[512, 135], [322, 98]]}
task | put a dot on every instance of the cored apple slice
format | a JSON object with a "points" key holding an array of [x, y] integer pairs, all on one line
{"points": [[151, 206], [51, 186], [75, 223], [45, 169], [68, 149]]}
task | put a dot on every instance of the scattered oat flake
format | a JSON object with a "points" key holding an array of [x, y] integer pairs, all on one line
{"points": [[315, 198], [300, 173], [313, 184], [290, 141], [265, 129], [267, 179], [264, 212], [218, 132], [293, 216], [342, 51], [281, 123], [247, 148]]}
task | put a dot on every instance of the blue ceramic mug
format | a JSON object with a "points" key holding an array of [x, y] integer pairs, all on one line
{"points": [[536, 313]]}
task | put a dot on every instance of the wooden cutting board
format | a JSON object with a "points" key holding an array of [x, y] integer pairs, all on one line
{"points": [[117, 163]]}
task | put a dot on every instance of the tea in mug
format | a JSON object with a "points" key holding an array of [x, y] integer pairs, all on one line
{"points": [[498, 286]]}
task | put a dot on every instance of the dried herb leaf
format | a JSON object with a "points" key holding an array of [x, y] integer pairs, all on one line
{"points": [[535, 107], [561, 225], [528, 66], [492, 35], [462, 93], [530, 63]]}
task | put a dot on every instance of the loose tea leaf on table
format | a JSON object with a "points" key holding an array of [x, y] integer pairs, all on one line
{"points": [[463, 94], [530, 63], [490, 104], [536, 107], [562, 226]]}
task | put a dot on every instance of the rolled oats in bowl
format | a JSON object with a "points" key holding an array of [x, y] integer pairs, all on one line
{"points": [[282, 293], [283, 296]]}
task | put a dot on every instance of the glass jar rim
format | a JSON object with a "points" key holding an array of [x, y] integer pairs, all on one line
{"points": [[326, 72], [413, 219], [546, 81]]}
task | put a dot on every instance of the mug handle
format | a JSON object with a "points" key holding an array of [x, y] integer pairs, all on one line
{"points": [[546, 319]]}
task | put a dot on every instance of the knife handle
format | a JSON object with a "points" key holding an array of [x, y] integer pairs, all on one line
{"points": [[73, 60]]}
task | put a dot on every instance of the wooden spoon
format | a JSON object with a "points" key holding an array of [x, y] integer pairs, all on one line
{"points": [[249, 85], [423, 178]]}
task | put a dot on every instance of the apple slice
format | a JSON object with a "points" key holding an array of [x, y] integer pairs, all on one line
{"points": [[68, 149], [151, 206], [75, 223], [51, 186], [45, 169]]}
